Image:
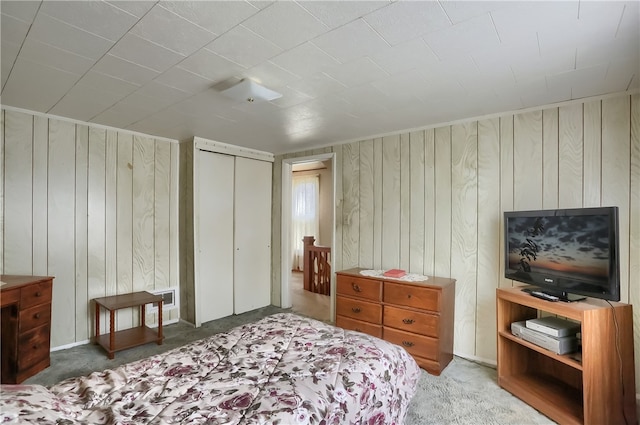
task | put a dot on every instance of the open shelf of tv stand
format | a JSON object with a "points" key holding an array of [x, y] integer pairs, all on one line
{"points": [[561, 387]]}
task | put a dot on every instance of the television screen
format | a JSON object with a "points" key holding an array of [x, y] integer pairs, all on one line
{"points": [[564, 251]]}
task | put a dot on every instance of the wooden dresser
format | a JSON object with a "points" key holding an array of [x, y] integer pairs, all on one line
{"points": [[415, 315], [26, 326]]}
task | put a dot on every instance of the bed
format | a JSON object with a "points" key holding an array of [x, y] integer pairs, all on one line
{"points": [[283, 369]]}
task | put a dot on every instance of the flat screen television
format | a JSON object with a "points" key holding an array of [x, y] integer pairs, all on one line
{"points": [[568, 253]]}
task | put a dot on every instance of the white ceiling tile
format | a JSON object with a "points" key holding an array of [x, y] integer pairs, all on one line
{"points": [[531, 91], [36, 87], [184, 80], [124, 70], [337, 13], [301, 25], [271, 75], [141, 102], [133, 7], [459, 11], [56, 33], [522, 19], [207, 103], [261, 4], [354, 40], [606, 50], [54, 57], [359, 71], [464, 38], [406, 20], [145, 53], [215, 16], [85, 101], [364, 99], [579, 81], [290, 97], [243, 47], [305, 59], [622, 75], [630, 22], [405, 56], [96, 17], [104, 82], [171, 31], [210, 65], [161, 123], [22, 10], [317, 85], [13, 30], [119, 116], [554, 62], [161, 91], [9, 53]]}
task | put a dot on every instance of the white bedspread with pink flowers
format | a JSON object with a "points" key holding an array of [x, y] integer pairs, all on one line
{"points": [[283, 369]]}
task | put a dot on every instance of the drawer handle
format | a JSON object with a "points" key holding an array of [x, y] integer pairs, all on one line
{"points": [[35, 347], [356, 287], [407, 343], [407, 321], [356, 309], [38, 294], [408, 295], [36, 316], [358, 330]]}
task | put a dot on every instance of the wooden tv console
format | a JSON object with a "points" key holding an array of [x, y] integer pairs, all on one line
{"points": [[598, 389]]}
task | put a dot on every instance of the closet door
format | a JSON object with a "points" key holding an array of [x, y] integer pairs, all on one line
{"points": [[214, 235], [252, 259]]}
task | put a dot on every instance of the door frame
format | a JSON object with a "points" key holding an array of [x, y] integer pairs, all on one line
{"points": [[285, 243]]}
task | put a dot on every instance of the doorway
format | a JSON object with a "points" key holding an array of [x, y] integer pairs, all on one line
{"points": [[293, 295]]}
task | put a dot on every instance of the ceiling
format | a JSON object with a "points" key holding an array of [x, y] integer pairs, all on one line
{"points": [[346, 70]]}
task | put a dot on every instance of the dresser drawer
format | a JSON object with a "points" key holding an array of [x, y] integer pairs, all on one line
{"points": [[411, 321], [33, 346], [359, 326], [35, 294], [359, 287], [35, 316], [412, 296], [358, 309], [416, 345]]}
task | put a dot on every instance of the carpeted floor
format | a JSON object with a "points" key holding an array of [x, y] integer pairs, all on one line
{"points": [[465, 393]]}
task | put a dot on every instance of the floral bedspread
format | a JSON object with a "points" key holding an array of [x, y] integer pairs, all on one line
{"points": [[283, 369]]}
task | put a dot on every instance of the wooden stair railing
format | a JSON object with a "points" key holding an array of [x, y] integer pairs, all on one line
{"points": [[316, 267]]}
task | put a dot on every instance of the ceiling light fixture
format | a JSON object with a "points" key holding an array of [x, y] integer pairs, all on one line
{"points": [[249, 91]]}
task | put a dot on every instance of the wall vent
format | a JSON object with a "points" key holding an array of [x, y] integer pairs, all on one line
{"points": [[170, 299]]}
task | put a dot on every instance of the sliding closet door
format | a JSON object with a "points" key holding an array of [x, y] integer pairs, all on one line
{"points": [[214, 235], [252, 260]]}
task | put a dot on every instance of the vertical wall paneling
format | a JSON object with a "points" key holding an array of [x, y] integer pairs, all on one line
{"points": [[40, 175], [83, 311], [464, 231], [339, 197], [187, 289], [489, 254], [506, 183], [143, 214], [442, 184], [429, 201], [124, 228], [276, 234], [405, 202], [570, 143], [111, 207], [592, 148], [351, 206], [634, 225], [390, 202], [615, 174], [162, 211], [174, 254], [18, 187], [377, 200], [366, 215], [96, 217], [2, 191], [417, 228], [550, 158], [527, 161], [61, 228]]}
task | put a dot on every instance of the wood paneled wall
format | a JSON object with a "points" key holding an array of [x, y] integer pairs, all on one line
{"points": [[94, 207], [432, 201]]}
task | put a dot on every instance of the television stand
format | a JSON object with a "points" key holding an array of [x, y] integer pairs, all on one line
{"points": [[545, 294]]}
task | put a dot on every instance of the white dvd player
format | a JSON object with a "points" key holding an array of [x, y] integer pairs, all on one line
{"points": [[554, 326], [559, 345]]}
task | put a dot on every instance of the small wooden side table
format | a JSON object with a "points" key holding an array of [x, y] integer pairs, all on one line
{"points": [[128, 338]]}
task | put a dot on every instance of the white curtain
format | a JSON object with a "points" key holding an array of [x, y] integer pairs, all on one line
{"points": [[305, 214]]}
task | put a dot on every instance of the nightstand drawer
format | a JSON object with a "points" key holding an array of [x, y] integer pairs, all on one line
{"points": [[411, 321], [359, 326], [33, 346], [35, 316], [39, 293], [412, 296], [359, 287], [417, 345], [360, 310]]}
